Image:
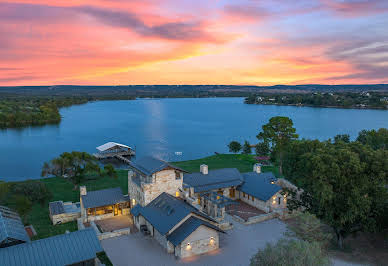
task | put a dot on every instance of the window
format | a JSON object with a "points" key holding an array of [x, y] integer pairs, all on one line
{"points": [[279, 200], [253, 198], [177, 194], [244, 194], [177, 175]]}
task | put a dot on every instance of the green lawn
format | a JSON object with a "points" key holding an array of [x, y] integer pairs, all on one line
{"points": [[243, 162], [63, 189]]}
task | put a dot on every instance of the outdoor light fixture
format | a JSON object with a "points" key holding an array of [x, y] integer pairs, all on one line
{"points": [[188, 247], [211, 241]]}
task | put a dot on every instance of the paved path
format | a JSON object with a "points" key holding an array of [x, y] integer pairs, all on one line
{"points": [[237, 247]]}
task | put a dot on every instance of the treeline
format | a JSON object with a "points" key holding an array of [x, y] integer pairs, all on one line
{"points": [[375, 100]]}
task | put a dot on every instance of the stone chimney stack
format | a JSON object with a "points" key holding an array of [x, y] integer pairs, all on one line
{"points": [[257, 168], [82, 190], [204, 169], [130, 175]]}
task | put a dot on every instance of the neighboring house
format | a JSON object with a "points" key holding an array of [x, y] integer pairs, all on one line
{"points": [[63, 212], [12, 230], [223, 181], [150, 177], [78, 248], [179, 227], [101, 204]]}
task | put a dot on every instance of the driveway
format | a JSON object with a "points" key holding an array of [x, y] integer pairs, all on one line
{"points": [[237, 246]]}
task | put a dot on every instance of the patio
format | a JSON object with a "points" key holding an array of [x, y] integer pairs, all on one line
{"points": [[243, 210], [114, 223]]}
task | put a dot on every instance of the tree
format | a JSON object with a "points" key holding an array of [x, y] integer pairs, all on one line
{"points": [[278, 132], [110, 171], [290, 252], [262, 148], [246, 148], [234, 147], [74, 165], [375, 139], [344, 138], [20, 203], [309, 228], [344, 186]]}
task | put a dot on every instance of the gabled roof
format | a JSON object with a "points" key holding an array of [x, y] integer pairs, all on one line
{"points": [[185, 229], [11, 226], [259, 185], [103, 197], [66, 249], [149, 165], [110, 145], [166, 211], [215, 179]]}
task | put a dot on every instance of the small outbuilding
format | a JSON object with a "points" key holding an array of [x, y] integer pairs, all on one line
{"points": [[78, 248], [12, 230], [112, 149], [63, 212]]}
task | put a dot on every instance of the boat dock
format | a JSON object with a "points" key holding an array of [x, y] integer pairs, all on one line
{"points": [[114, 150]]}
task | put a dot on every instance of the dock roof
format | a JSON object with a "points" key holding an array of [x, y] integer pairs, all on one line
{"points": [[149, 165], [66, 249], [103, 197], [259, 185], [110, 145], [11, 226]]}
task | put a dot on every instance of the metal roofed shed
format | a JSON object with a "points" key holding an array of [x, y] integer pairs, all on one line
{"points": [[149, 165], [79, 247], [12, 230]]}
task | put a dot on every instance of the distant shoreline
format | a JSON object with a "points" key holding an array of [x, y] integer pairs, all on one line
{"points": [[323, 106]]}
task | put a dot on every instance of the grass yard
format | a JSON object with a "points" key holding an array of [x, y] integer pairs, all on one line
{"points": [[63, 189], [243, 162]]}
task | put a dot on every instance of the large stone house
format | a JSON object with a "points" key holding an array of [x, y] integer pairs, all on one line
{"points": [[177, 226], [101, 204], [150, 177]]}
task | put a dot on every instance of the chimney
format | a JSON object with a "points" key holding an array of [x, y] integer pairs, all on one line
{"points": [[257, 168], [82, 190], [204, 169]]}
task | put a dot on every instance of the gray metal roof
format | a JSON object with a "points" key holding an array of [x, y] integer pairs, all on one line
{"points": [[215, 179], [259, 185], [188, 227], [56, 207], [149, 165], [58, 250], [219, 200], [11, 226], [103, 197], [166, 211]]}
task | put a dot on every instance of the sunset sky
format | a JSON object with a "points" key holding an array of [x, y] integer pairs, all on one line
{"points": [[256, 42]]}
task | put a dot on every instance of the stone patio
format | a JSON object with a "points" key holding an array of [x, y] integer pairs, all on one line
{"points": [[114, 223], [243, 210]]}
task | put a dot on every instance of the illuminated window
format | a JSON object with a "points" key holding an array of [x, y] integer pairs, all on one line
{"points": [[133, 202], [253, 198], [177, 194], [211, 241]]}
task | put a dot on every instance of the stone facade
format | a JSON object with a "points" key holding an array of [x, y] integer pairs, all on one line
{"points": [[65, 217], [266, 206], [201, 241], [144, 190]]}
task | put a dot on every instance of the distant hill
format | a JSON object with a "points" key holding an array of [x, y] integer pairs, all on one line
{"points": [[177, 90]]}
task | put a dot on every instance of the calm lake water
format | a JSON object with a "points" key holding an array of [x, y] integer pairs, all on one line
{"points": [[167, 128]]}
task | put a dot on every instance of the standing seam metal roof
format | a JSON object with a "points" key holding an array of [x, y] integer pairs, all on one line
{"points": [[56, 207], [58, 250], [103, 197], [188, 227], [166, 211], [259, 185], [215, 179], [12, 228], [149, 165]]}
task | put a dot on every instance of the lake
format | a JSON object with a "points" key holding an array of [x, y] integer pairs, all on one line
{"points": [[173, 129]]}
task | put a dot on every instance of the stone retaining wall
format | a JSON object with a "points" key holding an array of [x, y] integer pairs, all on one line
{"points": [[65, 217]]}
